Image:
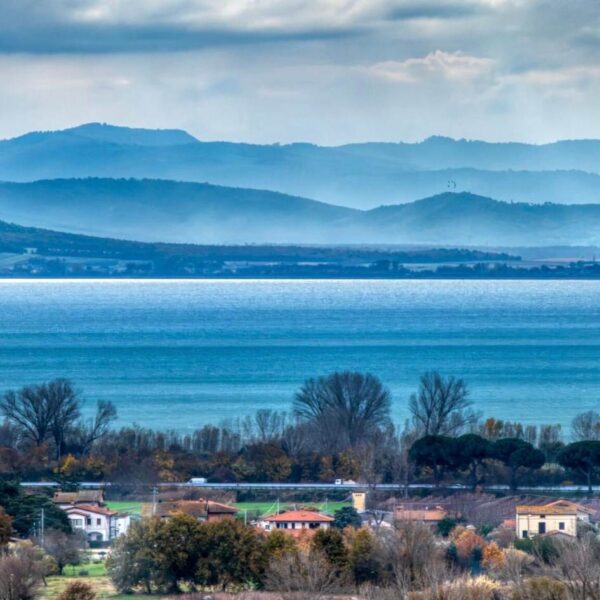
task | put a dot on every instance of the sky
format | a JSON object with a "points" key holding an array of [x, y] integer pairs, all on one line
{"points": [[322, 71]]}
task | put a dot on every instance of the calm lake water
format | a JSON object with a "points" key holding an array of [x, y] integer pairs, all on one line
{"points": [[179, 354]]}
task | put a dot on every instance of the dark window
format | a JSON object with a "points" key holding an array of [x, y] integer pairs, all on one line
{"points": [[542, 527], [98, 521], [525, 533], [88, 520], [561, 526]]}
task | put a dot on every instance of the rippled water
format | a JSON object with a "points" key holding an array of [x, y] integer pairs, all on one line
{"points": [[183, 353]]}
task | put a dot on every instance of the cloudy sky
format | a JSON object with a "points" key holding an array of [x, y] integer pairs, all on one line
{"points": [[325, 71]]}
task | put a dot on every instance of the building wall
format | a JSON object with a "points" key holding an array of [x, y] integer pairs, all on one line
{"points": [[530, 524], [220, 517], [93, 524]]}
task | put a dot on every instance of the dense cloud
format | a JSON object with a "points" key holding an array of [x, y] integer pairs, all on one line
{"points": [[322, 70]]}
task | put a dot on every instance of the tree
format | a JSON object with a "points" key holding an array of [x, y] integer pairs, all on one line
{"points": [[586, 426], [347, 407], [42, 411], [583, 457], [577, 565], [99, 426], [363, 557], [135, 558], [5, 527], [77, 590], [414, 556], [470, 450], [301, 575], [347, 516], [231, 554], [446, 525], [330, 544], [20, 575], [64, 548], [516, 454], [440, 407], [435, 452], [25, 510]]}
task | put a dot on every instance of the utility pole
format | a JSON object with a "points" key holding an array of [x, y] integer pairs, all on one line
{"points": [[42, 525], [154, 494]]}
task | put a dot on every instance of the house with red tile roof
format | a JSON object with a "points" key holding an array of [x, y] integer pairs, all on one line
{"points": [[98, 522], [297, 522]]}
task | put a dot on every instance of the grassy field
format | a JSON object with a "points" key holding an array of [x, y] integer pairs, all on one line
{"points": [[133, 508], [270, 507]]}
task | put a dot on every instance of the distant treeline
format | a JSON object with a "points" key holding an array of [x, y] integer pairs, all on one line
{"points": [[19, 240]]}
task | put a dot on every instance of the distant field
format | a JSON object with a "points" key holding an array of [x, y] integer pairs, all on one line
{"points": [[133, 508], [268, 507]]}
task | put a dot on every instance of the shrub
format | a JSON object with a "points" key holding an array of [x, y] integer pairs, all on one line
{"points": [[540, 588], [77, 590]]}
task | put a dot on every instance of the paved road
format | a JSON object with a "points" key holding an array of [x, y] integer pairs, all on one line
{"points": [[317, 486]]}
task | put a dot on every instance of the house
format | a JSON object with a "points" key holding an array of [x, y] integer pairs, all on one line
{"points": [[425, 515], [87, 497], [203, 510], [99, 523], [560, 516], [297, 522]]}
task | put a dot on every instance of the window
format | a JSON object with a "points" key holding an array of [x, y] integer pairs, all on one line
{"points": [[98, 521], [541, 527], [77, 523], [525, 533], [561, 526], [88, 520]]}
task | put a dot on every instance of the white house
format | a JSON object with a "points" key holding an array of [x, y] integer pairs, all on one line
{"points": [[99, 523], [297, 522], [558, 517]]}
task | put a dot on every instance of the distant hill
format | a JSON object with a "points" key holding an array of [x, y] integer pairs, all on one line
{"points": [[167, 211], [356, 175]]}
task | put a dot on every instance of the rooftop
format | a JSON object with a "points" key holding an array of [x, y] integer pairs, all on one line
{"points": [[300, 516], [558, 507]]}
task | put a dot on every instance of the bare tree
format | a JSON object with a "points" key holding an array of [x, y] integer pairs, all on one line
{"points": [[99, 426], [347, 406], [586, 426], [43, 411], [577, 565], [413, 556], [64, 548], [440, 407], [270, 424], [302, 576], [21, 573]]}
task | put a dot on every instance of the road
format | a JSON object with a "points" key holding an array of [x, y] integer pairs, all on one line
{"points": [[351, 487]]}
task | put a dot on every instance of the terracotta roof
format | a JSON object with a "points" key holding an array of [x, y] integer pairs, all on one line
{"points": [[83, 497], [299, 516], [558, 507], [194, 508], [93, 509], [425, 514]]}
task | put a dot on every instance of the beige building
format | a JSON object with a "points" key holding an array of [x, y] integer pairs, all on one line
{"points": [[560, 516]]}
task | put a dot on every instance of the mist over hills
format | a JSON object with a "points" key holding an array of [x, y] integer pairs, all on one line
{"points": [[356, 175], [167, 211]]}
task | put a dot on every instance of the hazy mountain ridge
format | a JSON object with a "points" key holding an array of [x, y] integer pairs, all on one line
{"points": [[167, 211], [355, 175]]}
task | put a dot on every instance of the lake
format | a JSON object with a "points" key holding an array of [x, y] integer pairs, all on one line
{"points": [[183, 353]]}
